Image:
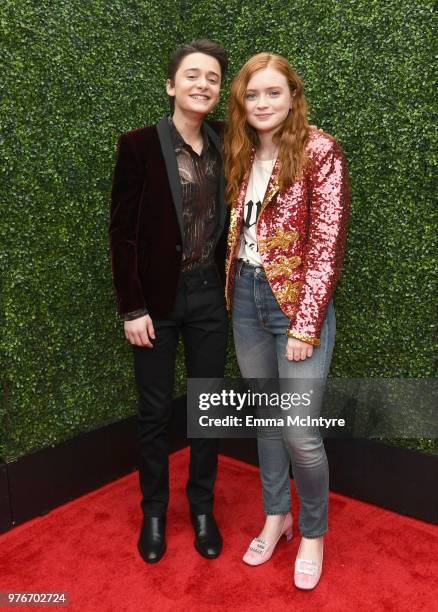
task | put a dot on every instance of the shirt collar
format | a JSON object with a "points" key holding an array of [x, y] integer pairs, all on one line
{"points": [[179, 141]]}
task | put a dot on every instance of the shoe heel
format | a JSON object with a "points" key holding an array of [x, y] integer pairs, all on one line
{"points": [[289, 534]]}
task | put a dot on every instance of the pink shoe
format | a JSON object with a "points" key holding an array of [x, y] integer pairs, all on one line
{"points": [[307, 573], [260, 551]]}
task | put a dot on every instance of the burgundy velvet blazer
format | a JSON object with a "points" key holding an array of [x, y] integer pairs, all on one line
{"points": [[146, 231]]}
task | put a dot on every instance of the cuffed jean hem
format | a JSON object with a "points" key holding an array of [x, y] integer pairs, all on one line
{"points": [[313, 537], [275, 512]]}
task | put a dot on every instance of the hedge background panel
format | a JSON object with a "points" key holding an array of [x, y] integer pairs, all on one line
{"points": [[76, 75]]}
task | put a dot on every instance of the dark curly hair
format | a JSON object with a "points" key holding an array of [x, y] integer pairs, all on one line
{"points": [[201, 45]]}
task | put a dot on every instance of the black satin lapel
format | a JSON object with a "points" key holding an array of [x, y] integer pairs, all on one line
{"points": [[172, 169], [213, 137], [222, 207]]}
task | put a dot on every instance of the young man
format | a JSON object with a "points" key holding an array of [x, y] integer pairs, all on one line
{"points": [[166, 233]]}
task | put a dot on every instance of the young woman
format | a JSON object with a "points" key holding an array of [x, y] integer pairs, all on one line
{"points": [[288, 187]]}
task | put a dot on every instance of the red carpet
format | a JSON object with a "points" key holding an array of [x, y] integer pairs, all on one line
{"points": [[374, 559]]}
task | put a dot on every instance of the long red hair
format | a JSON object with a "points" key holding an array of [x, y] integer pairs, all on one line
{"points": [[240, 137]]}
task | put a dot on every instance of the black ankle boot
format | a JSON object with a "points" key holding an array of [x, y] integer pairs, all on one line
{"points": [[152, 542], [208, 540]]}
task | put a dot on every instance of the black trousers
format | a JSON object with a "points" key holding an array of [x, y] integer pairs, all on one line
{"points": [[200, 317]]}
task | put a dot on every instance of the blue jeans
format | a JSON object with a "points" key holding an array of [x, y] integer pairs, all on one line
{"points": [[259, 327]]}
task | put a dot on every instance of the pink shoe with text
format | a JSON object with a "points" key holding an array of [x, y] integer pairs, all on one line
{"points": [[260, 551]]}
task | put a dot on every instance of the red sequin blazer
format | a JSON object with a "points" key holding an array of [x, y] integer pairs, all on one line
{"points": [[301, 235]]}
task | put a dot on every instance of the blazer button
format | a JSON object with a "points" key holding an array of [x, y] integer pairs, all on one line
{"points": [[178, 248]]}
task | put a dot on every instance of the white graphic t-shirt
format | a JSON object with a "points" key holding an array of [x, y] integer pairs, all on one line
{"points": [[257, 184]]}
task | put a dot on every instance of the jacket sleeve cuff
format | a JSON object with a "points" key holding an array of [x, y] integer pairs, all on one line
{"points": [[303, 337], [135, 314]]}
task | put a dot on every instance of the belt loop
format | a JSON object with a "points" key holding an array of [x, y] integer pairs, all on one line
{"points": [[239, 266]]}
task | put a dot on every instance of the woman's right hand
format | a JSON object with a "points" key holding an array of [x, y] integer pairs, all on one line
{"points": [[140, 331]]}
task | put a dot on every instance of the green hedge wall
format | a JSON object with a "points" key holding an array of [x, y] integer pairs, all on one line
{"points": [[78, 74]]}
